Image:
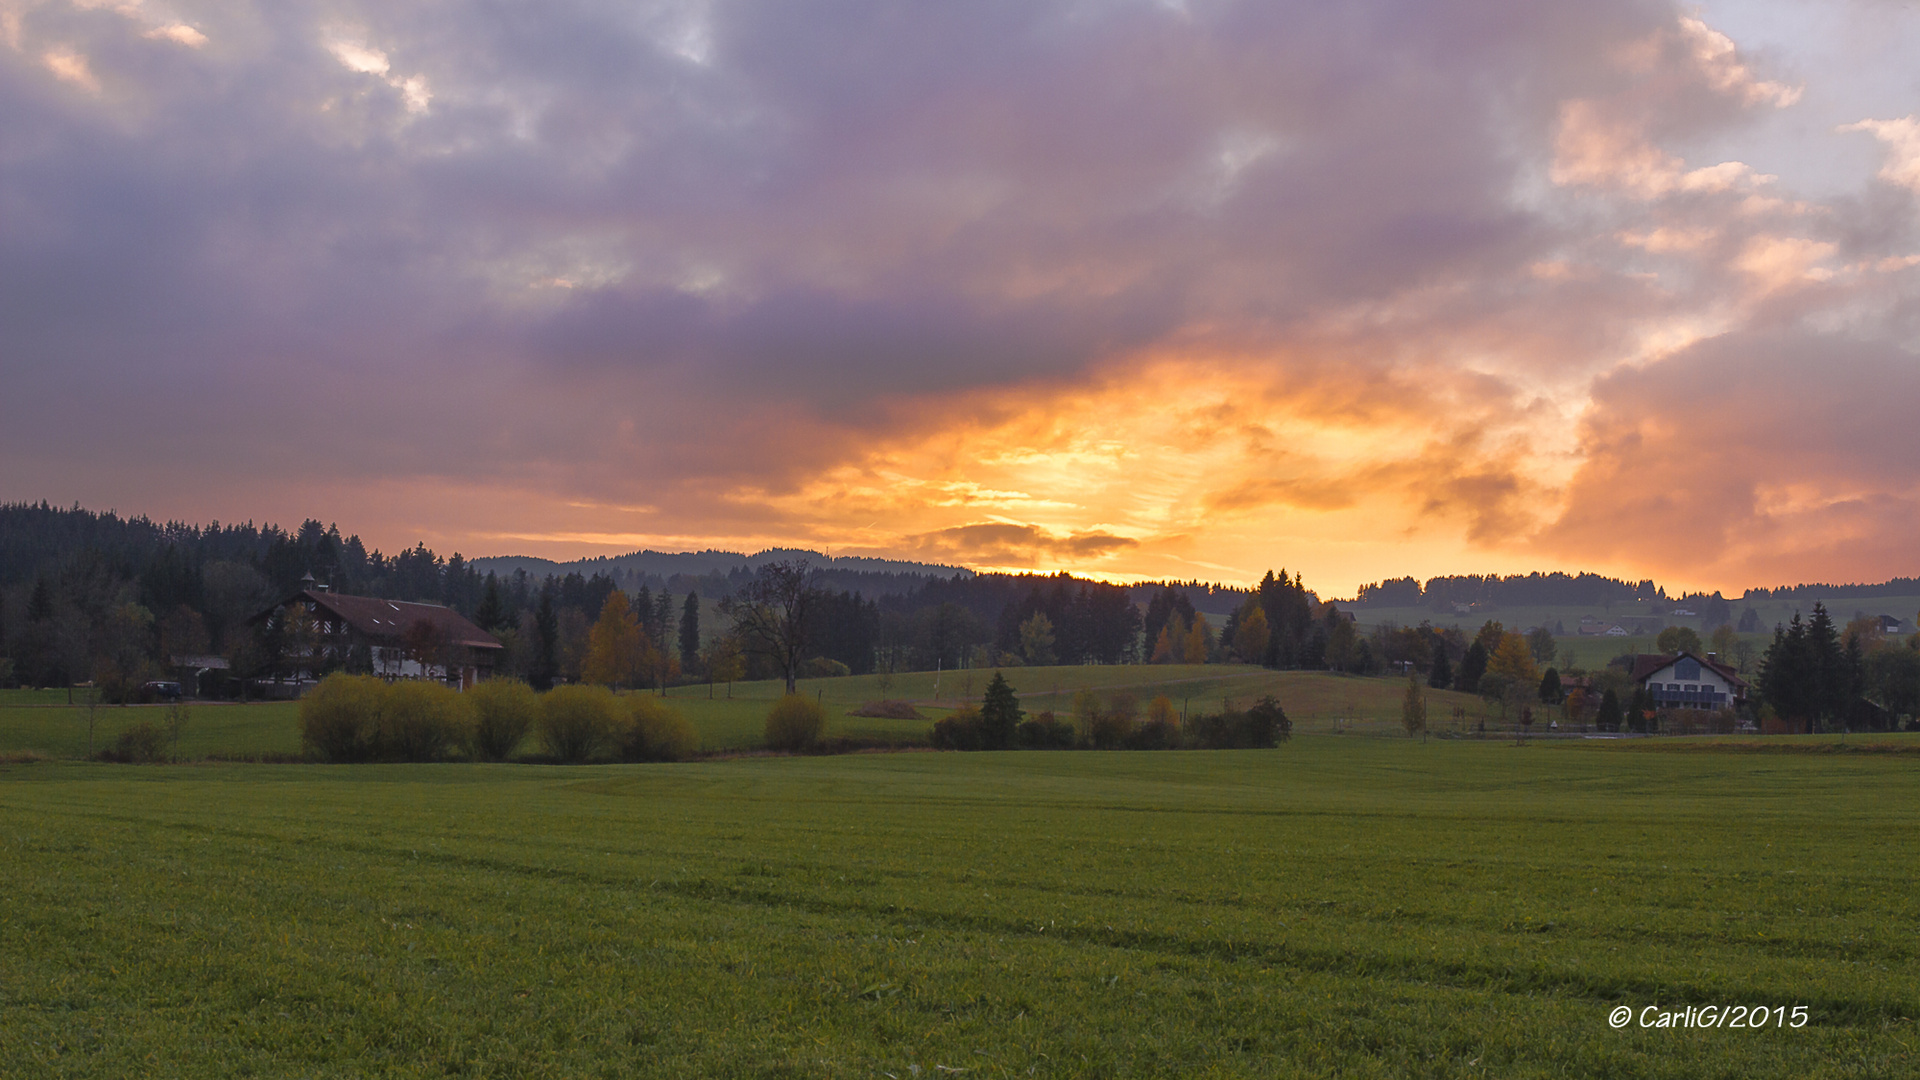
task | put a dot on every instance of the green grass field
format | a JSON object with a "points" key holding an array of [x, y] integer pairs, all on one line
{"points": [[1315, 702], [1335, 907]]}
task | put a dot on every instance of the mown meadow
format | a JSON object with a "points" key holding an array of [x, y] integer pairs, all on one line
{"points": [[732, 718], [1334, 907]]}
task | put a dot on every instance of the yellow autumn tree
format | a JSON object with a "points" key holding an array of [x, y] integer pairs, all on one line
{"points": [[1513, 659], [1250, 634], [1171, 645], [1194, 649], [614, 645]]}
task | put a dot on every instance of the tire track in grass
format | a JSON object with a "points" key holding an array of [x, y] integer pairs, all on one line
{"points": [[1463, 975]]}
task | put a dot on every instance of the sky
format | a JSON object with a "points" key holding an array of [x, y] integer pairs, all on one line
{"points": [[1132, 288]]}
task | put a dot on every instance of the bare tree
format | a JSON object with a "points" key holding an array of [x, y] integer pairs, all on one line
{"points": [[770, 613]]}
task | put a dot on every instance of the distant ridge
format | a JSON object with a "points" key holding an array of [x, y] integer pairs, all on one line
{"points": [[666, 564]]}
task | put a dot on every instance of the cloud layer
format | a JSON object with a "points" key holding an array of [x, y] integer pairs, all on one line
{"points": [[1149, 288]]}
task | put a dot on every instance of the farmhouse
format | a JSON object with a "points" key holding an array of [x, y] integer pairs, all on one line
{"points": [[318, 630], [1684, 681]]}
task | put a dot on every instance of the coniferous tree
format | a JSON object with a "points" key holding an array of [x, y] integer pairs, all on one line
{"points": [[546, 650], [1441, 677], [1550, 687], [643, 610], [1638, 708], [690, 632], [1608, 718], [1000, 714], [662, 620], [1829, 667], [1787, 675], [1472, 666], [491, 615], [40, 602], [1853, 675]]}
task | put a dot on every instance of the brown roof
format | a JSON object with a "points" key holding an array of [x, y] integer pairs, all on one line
{"points": [[370, 616], [1645, 664]]}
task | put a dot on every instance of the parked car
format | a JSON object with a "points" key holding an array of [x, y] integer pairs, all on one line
{"points": [[160, 690]]}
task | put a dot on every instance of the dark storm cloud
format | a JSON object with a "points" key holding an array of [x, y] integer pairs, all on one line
{"points": [[601, 249]]}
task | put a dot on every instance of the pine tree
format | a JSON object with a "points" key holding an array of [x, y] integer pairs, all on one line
{"points": [[690, 632], [1829, 667], [1550, 687], [546, 658], [1608, 718], [1787, 676], [1000, 714], [492, 612], [1441, 677], [643, 609], [40, 603], [1472, 666]]}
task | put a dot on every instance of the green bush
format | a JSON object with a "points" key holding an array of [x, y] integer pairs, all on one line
{"points": [[796, 722], [337, 717], [142, 744], [503, 710], [419, 720], [577, 723], [1153, 735], [961, 729], [1113, 726], [1045, 732], [656, 732], [1262, 726]]}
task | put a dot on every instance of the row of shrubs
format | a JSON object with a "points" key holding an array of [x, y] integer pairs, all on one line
{"points": [[356, 718], [1116, 727]]}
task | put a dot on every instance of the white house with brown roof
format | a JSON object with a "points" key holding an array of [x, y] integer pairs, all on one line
{"points": [[394, 639], [1685, 681]]}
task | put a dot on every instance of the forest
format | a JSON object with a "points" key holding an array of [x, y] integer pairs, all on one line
{"points": [[94, 597], [118, 602]]}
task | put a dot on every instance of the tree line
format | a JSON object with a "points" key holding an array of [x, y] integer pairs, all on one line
{"points": [[95, 597]]}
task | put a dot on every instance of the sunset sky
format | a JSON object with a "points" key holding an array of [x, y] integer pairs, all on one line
{"points": [[1130, 288]]}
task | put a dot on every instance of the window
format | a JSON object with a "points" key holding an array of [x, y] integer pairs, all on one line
{"points": [[1687, 670]]}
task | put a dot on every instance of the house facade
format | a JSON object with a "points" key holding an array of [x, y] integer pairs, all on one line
{"points": [[317, 630], [1686, 681]]}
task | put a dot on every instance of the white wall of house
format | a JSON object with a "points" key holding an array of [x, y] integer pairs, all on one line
{"points": [[1670, 685]]}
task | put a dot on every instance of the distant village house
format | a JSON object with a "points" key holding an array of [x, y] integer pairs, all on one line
{"points": [[322, 631], [1685, 681]]}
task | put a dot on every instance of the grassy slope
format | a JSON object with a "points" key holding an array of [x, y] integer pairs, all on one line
{"points": [[1314, 701], [231, 730], [1334, 907]]}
